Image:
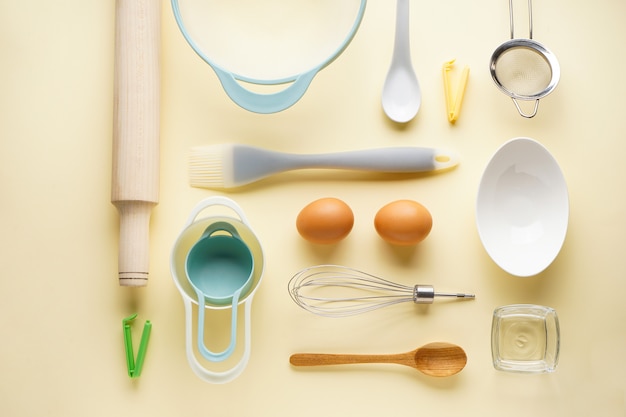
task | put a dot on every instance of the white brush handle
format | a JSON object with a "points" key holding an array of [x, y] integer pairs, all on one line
{"points": [[234, 165], [396, 160], [135, 182]]}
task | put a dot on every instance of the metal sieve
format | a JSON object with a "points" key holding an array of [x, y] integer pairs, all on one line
{"points": [[524, 69]]}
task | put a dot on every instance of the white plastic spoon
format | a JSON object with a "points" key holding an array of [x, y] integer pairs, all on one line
{"points": [[401, 93]]}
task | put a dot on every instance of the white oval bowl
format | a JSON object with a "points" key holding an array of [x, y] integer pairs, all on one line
{"points": [[522, 208]]}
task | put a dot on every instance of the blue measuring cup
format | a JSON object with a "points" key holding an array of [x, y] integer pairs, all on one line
{"points": [[219, 267]]}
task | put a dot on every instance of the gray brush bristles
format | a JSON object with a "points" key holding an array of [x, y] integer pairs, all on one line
{"points": [[206, 166]]}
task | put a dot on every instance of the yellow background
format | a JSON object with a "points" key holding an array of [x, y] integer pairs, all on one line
{"points": [[61, 349]]}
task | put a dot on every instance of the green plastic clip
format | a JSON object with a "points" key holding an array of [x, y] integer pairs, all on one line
{"points": [[134, 368]]}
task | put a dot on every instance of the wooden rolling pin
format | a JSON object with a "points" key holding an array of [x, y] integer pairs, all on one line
{"points": [[135, 182]]}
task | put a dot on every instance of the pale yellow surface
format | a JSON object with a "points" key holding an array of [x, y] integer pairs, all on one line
{"points": [[61, 352]]}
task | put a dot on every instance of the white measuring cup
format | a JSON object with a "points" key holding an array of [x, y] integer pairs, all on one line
{"points": [[195, 226]]}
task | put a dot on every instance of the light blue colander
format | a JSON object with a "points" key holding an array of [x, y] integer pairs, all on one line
{"points": [[268, 102]]}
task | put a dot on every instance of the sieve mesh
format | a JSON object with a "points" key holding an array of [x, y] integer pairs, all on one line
{"points": [[523, 71]]}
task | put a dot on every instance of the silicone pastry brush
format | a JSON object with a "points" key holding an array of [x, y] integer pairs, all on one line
{"points": [[135, 174], [235, 165]]}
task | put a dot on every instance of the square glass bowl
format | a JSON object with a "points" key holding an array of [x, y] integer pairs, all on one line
{"points": [[525, 338]]}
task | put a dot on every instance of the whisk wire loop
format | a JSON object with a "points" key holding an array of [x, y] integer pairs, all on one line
{"points": [[339, 291]]}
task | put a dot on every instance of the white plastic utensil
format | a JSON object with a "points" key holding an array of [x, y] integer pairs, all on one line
{"points": [[235, 165], [402, 96], [522, 207]]}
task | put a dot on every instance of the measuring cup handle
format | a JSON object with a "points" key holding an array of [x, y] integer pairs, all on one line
{"points": [[204, 351], [216, 201], [220, 227], [265, 103], [205, 374]]}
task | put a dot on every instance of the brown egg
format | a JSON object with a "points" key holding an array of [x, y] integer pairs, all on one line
{"points": [[403, 222], [325, 221]]}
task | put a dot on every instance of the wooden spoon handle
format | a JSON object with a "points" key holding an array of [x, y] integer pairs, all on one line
{"points": [[317, 359], [135, 173]]}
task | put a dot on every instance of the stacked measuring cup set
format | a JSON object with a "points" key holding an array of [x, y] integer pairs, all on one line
{"points": [[217, 262]]}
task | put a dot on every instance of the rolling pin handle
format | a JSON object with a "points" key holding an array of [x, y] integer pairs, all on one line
{"points": [[134, 256]]}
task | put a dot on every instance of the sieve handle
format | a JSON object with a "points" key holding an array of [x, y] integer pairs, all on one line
{"points": [[530, 19], [522, 113]]}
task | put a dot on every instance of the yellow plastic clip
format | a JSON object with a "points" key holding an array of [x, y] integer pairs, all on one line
{"points": [[453, 103]]}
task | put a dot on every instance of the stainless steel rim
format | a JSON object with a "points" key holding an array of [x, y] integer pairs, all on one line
{"points": [[536, 47]]}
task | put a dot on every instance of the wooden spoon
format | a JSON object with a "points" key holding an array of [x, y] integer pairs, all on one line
{"points": [[434, 359]]}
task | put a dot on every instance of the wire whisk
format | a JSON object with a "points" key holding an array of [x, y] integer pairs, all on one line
{"points": [[340, 291]]}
